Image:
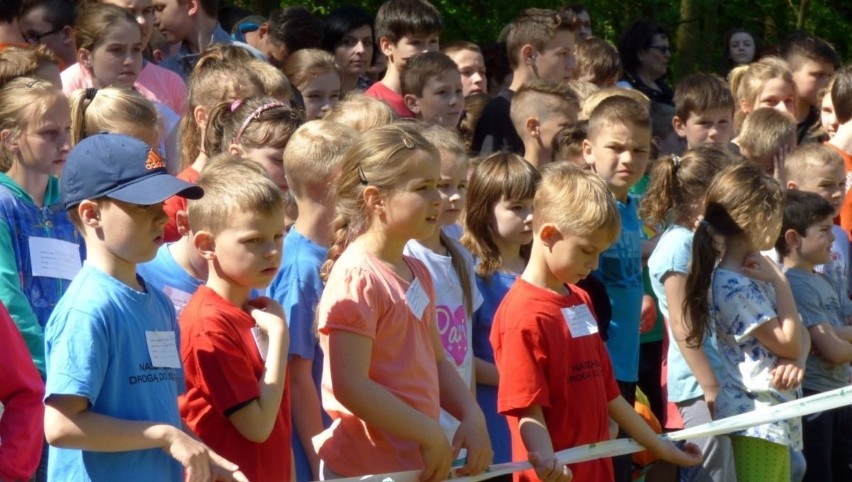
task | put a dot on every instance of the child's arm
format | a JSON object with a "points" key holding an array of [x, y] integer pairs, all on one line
{"points": [[696, 358], [256, 420], [639, 430], [789, 374], [844, 332], [457, 399], [781, 335], [540, 448], [486, 372], [349, 360], [68, 423], [830, 342], [305, 406]]}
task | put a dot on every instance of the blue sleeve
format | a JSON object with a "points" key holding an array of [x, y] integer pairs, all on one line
{"points": [[77, 355], [300, 307]]}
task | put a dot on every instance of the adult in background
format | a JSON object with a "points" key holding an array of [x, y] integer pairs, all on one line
{"points": [[348, 35], [645, 53]]}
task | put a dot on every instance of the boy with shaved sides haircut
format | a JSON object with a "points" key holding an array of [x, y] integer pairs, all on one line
{"points": [[539, 110], [812, 61]]}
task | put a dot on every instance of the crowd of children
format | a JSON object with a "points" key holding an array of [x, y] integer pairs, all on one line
{"points": [[247, 258]]}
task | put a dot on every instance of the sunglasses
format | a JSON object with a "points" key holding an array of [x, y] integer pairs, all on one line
{"points": [[35, 38]]}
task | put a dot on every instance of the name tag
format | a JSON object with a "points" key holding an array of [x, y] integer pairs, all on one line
{"points": [[416, 299], [54, 258], [261, 340], [162, 348], [580, 321], [178, 297]]}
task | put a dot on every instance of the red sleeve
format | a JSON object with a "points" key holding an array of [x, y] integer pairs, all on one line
{"points": [[521, 360], [21, 391], [224, 371]]}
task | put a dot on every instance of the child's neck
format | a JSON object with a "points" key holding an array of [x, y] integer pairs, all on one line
{"points": [[237, 294], [519, 77], [510, 255], [376, 243], [314, 222], [621, 194], [433, 243], [34, 184], [793, 260], [391, 80], [199, 162], [180, 251], [537, 273], [536, 154], [103, 259], [737, 249], [202, 31]]}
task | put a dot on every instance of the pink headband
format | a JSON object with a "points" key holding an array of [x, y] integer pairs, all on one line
{"points": [[254, 115]]}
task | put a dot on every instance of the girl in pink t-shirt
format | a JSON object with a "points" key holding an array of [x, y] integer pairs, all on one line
{"points": [[386, 374]]}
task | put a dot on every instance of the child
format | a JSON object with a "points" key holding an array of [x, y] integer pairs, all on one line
{"points": [[450, 264], [403, 28], [124, 344], [312, 161], [540, 45], [596, 98], [568, 144], [471, 65], [432, 89], [827, 127], [220, 75], [50, 23], [754, 317], [765, 83], [806, 236], [617, 148], [257, 128], [387, 376], [766, 137], [841, 98], [540, 108], [26, 61], [234, 350], [34, 142], [314, 74], [692, 379], [113, 109], [556, 382], [818, 169], [704, 111], [497, 231], [597, 62], [812, 62], [361, 112]]}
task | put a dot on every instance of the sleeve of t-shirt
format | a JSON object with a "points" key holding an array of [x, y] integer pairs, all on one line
{"points": [[670, 257], [746, 305], [807, 301], [300, 305], [355, 305], [78, 348], [224, 370], [521, 362]]}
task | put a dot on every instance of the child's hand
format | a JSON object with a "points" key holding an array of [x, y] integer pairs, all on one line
{"points": [[649, 315], [548, 469], [200, 463], [268, 315], [787, 374], [437, 456], [778, 160], [688, 456], [472, 435], [761, 268]]}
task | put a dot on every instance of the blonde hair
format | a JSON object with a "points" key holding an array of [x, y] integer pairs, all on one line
{"points": [[597, 57], [24, 61], [797, 164], [741, 201], [576, 201], [255, 122], [618, 110], [678, 184], [747, 82], [314, 153], [583, 89], [24, 100], [596, 98], [275, 83], [94, 19], [379, 157], [361, 112], [765, 131], [304, 65], [221, 74], [232, 184], [111, 109], [443, 139], [500, 175], [542, 99]]}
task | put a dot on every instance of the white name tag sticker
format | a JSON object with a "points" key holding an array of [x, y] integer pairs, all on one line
{"points": [[416, 299], [580, 321], [162, 348], [261, 340], [54, 258], [178, 297]]}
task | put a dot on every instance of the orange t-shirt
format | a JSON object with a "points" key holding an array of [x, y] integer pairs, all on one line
{"points": [[846, 207]]}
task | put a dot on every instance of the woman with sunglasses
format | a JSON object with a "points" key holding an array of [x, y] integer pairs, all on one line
{"points": [[645, 53]]}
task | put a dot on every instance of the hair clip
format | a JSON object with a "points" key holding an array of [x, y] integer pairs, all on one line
{"points": [[676, 160], [31, 83], [91, 92], [236, 105], [704, 223], [408, 143], [254, 115], [361, 175]]}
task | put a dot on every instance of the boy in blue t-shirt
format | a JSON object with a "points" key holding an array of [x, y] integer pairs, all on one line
{"points": [[311, 160], [113, 370]]}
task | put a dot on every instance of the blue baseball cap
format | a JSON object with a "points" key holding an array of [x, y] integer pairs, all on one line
{"points": [[118, 167]]}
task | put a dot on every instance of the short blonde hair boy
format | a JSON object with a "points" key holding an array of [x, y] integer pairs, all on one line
{"points": [[314, 153], [540, 99], [618, 110], [799, 164], [230, 185], [576, 201], [764, 132], [361, 112], [596, 98], [275, 83], [598, 62]]}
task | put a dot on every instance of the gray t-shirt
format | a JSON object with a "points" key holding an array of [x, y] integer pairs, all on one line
{"points": [[818, 301]]}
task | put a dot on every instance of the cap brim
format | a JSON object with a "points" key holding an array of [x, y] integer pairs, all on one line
{"points": [[156, 189]]}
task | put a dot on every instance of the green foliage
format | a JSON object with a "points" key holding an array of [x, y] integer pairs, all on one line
{"points": [[481, 21]]}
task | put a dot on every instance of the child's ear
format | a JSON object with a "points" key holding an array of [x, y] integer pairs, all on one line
{"points": [[549, 235], [68, 35], [9, 140], [374, 200], [205, 243], [679, 126], [386, 46], [235, 150], [201, 114], [182, 222], [193, 7], [528, 54], [792, 238], [533, 127], [412, 102], [263, 30], [588, 153], [90, 213], [792, 185], [84, 57]]}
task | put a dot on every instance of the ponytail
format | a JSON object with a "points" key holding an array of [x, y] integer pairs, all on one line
{"points": [[660, 197], [80, 101], [696, 305], [219, 117]]}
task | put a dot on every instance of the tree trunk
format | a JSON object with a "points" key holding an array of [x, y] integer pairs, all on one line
{"points": [[687, 36]]}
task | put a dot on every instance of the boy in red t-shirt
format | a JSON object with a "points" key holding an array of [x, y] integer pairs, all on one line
{"points": [[556, 382], [234, 351]]}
